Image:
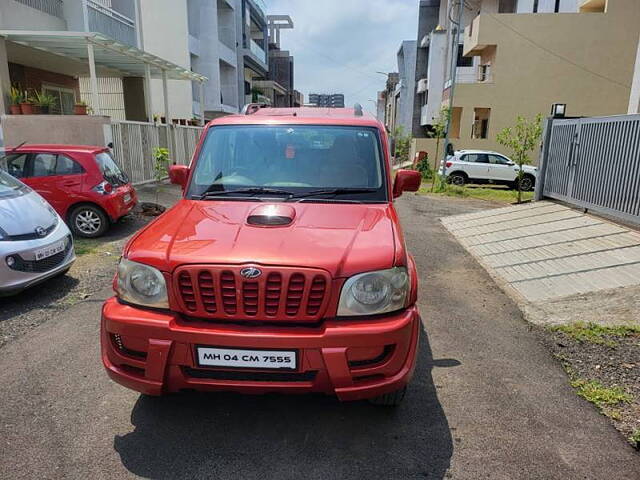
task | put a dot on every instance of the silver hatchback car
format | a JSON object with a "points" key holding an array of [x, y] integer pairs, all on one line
{"points": [[35, 244]]}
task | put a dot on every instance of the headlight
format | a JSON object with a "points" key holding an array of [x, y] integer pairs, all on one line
{"points": [[374, 292], [141, 284]]}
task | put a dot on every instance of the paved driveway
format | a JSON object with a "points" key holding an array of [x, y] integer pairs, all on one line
{"points": [[487, 402]]}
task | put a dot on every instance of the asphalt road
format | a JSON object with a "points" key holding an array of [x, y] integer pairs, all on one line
{"points": [[487, 401]]}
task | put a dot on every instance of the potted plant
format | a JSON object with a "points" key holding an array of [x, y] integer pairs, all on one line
{"points": [[80, 108], [44, 101], [26, 104], [15, 99]]}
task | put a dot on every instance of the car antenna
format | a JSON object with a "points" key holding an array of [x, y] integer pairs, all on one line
{"points": [[16, 148]]}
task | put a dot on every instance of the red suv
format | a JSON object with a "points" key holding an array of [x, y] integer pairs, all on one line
{"points": [[82, 183], [282, 269]]}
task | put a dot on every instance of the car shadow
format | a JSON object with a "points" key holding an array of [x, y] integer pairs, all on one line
{"points": [[274, 436]]}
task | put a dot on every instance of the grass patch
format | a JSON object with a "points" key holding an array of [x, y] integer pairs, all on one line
{"points": [[84, 246], [594, 333], [491, 194], [635, 438], [601, 396]]}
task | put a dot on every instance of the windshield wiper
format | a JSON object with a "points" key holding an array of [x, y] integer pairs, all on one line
{"points": [[252, 191], [331, 191]]}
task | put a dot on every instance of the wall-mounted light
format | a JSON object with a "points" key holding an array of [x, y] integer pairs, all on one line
{"points": [[558, 110]]}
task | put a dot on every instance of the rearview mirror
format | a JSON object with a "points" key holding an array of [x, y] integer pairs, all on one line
{"points": [[178, 175], [406, 181]]}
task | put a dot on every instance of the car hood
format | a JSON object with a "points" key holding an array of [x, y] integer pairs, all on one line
{"points": [[21, 214], [341, 238]]}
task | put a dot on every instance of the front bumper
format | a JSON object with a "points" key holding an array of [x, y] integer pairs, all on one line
{"points": [[154, 353], [14, 281]]}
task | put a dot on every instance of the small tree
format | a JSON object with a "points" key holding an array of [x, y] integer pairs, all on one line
{"points": [[439, 131], [160, 166], [521, 139], [403, 145]]}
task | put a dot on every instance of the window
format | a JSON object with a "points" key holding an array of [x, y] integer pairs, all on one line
{"points": [[507, 6], [462, 60], [476, 158], [498, 160], [48, 164], [65, 99], [110, 169], [297, 159], [15, 164], [480, 128]]}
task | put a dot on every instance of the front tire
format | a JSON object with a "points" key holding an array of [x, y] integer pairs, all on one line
{"points": [[88, 221], [392, 399]]}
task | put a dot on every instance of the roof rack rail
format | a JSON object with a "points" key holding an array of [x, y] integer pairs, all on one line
{"points": [[357, 110], [251, 108]]}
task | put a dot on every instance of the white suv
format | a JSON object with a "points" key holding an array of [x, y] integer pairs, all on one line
{"points": [[481, 166]]}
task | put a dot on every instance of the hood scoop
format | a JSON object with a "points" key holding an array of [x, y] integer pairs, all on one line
{"points": [[271, 215]]}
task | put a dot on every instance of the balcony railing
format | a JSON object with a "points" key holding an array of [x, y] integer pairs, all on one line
{"points": [[52, 7], [113, 24], [258, 51]]}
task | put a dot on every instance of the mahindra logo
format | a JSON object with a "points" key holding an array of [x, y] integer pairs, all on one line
{"points": [[250, 272], [40, 231]]}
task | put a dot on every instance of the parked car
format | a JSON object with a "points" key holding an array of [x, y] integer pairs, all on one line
{"points": [[35, 244], [282, 269], [82, 183], [480, 166]]}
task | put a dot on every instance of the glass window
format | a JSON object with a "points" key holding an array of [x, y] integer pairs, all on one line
{"points": [[110, 169], [498, 160], [462, 60], [65, 99], [297, 158], [15, 164], [9, 186], [476, 158], [49, 164]]}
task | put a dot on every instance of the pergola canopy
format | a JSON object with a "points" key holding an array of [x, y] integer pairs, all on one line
{"points": [[112, 58]]}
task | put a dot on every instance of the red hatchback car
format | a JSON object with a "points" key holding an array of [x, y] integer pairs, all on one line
{"points": [[82, 183], [282, 269]]}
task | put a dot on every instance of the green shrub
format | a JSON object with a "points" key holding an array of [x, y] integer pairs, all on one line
{"points": [[425, 169]]}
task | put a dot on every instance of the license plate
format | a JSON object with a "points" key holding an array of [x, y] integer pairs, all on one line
{"points": [[127, 197], [49, 251], [234, 358]]}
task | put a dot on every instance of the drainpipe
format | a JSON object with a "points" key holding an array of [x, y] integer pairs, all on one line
{"points": [[453, 71]]}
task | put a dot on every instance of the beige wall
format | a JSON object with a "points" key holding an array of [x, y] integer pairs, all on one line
{"points": [[585, 60], [165, 33], [63, 129]]}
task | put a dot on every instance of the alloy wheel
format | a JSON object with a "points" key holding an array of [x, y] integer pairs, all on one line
{"points": [[88, 222]]}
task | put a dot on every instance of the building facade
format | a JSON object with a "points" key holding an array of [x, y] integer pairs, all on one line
{"points": [[331, 100], [406, 88], [522, 56]]}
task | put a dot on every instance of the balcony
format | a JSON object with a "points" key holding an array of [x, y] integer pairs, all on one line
{"points": [[475, 36], [258, 51], [52, 7], [111, 23]]}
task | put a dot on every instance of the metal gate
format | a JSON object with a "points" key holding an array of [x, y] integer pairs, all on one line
{"points": [[594, 163]]}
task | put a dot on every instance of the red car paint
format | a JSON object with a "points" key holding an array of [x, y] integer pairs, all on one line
{"points": [[64, 192], [154, 351]]}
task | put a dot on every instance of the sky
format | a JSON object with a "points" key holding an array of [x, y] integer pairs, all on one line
{"points": [[338, 45]]}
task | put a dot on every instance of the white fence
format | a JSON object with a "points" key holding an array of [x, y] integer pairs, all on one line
{"points": [[134, 142]]}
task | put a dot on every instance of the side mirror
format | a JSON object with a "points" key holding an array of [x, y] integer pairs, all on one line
{"points": [[178, 175], [406, 181]]}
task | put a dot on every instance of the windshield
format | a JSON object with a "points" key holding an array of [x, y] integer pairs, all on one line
{"points": [[110, 169], [312, 163], [9, 186]]}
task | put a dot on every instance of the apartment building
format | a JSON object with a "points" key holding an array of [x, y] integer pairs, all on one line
{"points": [[212, 50], [252, 40], [522, 56], [92, 50], [331, 100], [406, 88], [388, 101]]}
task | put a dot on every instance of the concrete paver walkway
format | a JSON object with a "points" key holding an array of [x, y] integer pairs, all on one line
{"points": [[544, 251]]}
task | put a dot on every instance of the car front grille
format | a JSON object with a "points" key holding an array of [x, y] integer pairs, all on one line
{"points": [[278, 294], [44, 265]]}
